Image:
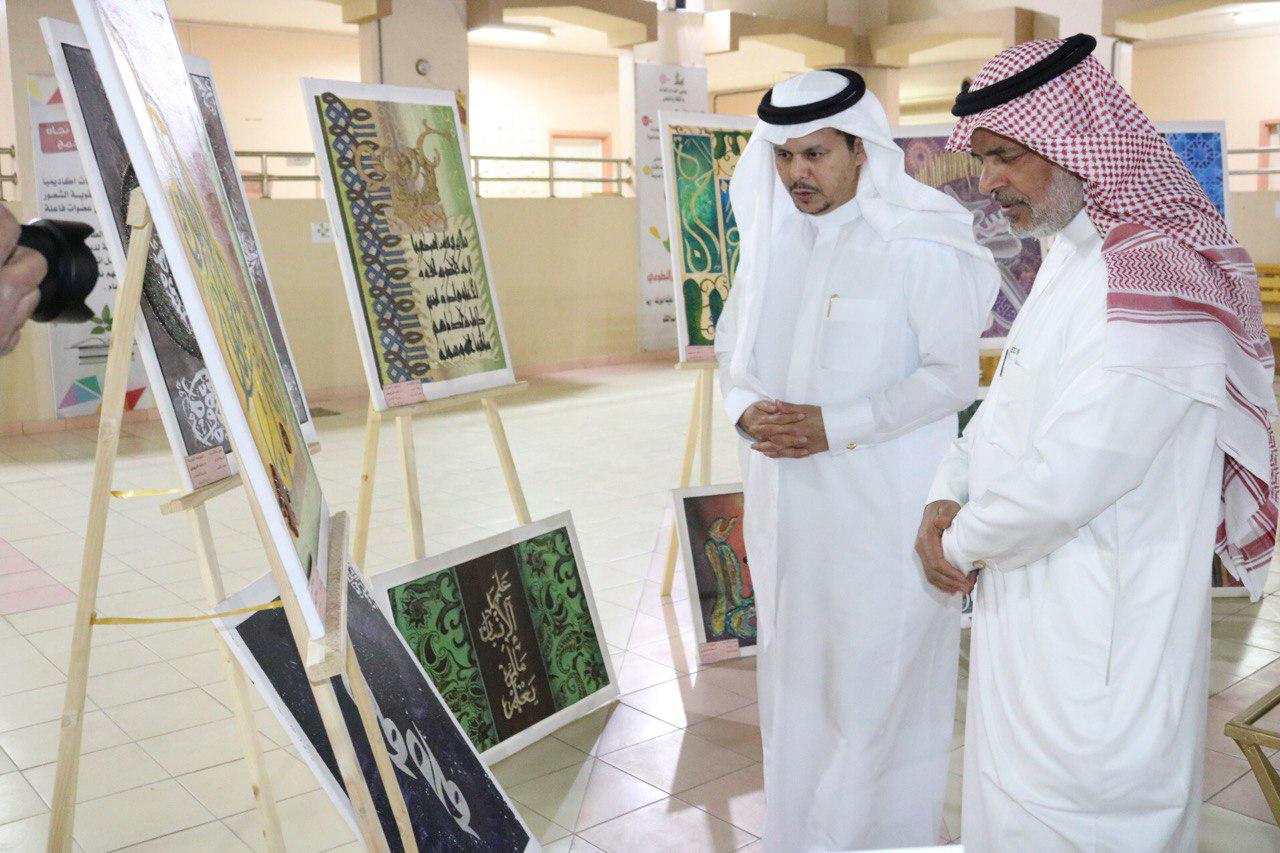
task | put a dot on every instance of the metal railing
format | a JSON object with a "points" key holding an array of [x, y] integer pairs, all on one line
{"points": [[612, 175], [614, 165], [8, 172], [1263, 161]]}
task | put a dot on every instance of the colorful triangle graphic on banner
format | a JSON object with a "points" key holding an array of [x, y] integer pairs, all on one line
{"points": [[92, 383], [57, 97], [132, 397], [70, 399]]}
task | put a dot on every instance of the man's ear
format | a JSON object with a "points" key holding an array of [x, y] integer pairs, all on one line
{"points": [[859, 153]]}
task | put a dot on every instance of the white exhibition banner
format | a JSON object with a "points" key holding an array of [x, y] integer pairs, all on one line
{"points": [[78, 351], [658, 88]]}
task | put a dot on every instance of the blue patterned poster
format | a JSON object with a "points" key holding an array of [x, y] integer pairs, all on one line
{"points": [[1202, 146]]}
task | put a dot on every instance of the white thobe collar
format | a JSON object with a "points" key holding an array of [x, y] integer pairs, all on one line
{"points": [[836, 217], [1080, 231]]}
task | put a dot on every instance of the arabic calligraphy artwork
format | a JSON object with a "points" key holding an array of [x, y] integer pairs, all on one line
{"points": [[189, 409], [699, 153], [150, 92], [395, 173], [507, 630], [454, 802], [957, 175], [709, 520]]}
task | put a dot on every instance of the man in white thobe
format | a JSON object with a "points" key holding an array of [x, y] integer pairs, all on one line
{"points": [[849, 342], [1126, 433]]}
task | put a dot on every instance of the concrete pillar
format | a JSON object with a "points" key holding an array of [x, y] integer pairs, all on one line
{"points": [[883, 83], [421, 43]]}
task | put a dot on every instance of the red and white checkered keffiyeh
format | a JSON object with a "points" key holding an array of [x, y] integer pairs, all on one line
{"points": [[1170, 260]]}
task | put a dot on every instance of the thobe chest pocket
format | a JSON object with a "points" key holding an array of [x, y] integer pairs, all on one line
{"points": [[1012, 405], [852, 333]]}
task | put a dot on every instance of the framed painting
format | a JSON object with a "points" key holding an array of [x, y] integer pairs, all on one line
{"points": [[454, 802], [149, 89], [714, 552], [699, 153], [188, 407], [397, 179], [508, 631]]}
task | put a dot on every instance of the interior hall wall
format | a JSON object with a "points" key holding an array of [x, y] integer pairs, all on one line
{"points": [[1236, 80], [257, 73], [520, 97]]}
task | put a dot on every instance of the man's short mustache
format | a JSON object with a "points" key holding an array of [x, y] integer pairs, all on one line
{"points": [[795, 187], [1010, 198]]}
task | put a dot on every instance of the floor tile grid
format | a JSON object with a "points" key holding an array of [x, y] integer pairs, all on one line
{"points": [[669, 702]]}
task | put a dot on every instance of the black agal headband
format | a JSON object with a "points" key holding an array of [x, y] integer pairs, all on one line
{"points": [[1071, 53], [853, 91]]}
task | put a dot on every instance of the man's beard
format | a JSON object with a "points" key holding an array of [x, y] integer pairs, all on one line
{"points": [[1062, 201]]}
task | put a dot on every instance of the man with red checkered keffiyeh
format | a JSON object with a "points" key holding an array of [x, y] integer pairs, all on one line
{"points": [[1126, 438]]}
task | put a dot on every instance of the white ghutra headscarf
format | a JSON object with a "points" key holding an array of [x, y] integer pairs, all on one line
{"points": [[893, 203]]}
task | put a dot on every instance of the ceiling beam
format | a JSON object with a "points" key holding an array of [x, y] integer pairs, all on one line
{"points": [[624, 23], [1129, 19], [894, 44], [820, 44]]}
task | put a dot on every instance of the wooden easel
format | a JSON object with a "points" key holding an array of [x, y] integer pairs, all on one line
{"points": [[698, 436], [66, 781], [403, 417]]}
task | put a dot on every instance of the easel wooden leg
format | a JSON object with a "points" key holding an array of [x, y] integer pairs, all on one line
{"points": [[368, 468], [110, 414], [373, 731], [349, 765], [326, 697], [506, 461], [215, 593], [412, 496], [686, 476], [704, 442], [1266, 774]]}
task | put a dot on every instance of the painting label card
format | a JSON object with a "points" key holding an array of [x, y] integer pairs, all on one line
{"points": [[453, 800], [397, 180], [714, 551], [507, 630], [135, 51], [699, 154]]}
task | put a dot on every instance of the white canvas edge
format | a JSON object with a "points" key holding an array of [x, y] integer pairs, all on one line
{"points": [[201, 68], [260, 592], [314, 86], [184, 279], [667, 118], [383, 581], [56, 34], [1209, 126], [686, 553]]}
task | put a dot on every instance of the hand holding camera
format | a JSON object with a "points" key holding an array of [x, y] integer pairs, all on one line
{"points": [[22, 271], [46, 272]]}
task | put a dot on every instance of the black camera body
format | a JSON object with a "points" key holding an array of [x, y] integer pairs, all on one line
{"points": [[73, 270]]}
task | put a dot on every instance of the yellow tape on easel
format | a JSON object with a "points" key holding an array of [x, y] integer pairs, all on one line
{"points": [[137, 620], [142, 493]]}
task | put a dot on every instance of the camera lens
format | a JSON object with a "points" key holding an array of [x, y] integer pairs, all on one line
{"points": [[73, 270]]}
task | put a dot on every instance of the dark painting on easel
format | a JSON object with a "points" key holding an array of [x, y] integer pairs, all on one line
{"points": [[453, 801]]}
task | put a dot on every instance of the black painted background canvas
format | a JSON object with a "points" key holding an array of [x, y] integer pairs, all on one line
{"points": [[406, 703], [179, 368]]}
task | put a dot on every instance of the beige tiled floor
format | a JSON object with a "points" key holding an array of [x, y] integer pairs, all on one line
{"points": [[675, 765]]}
